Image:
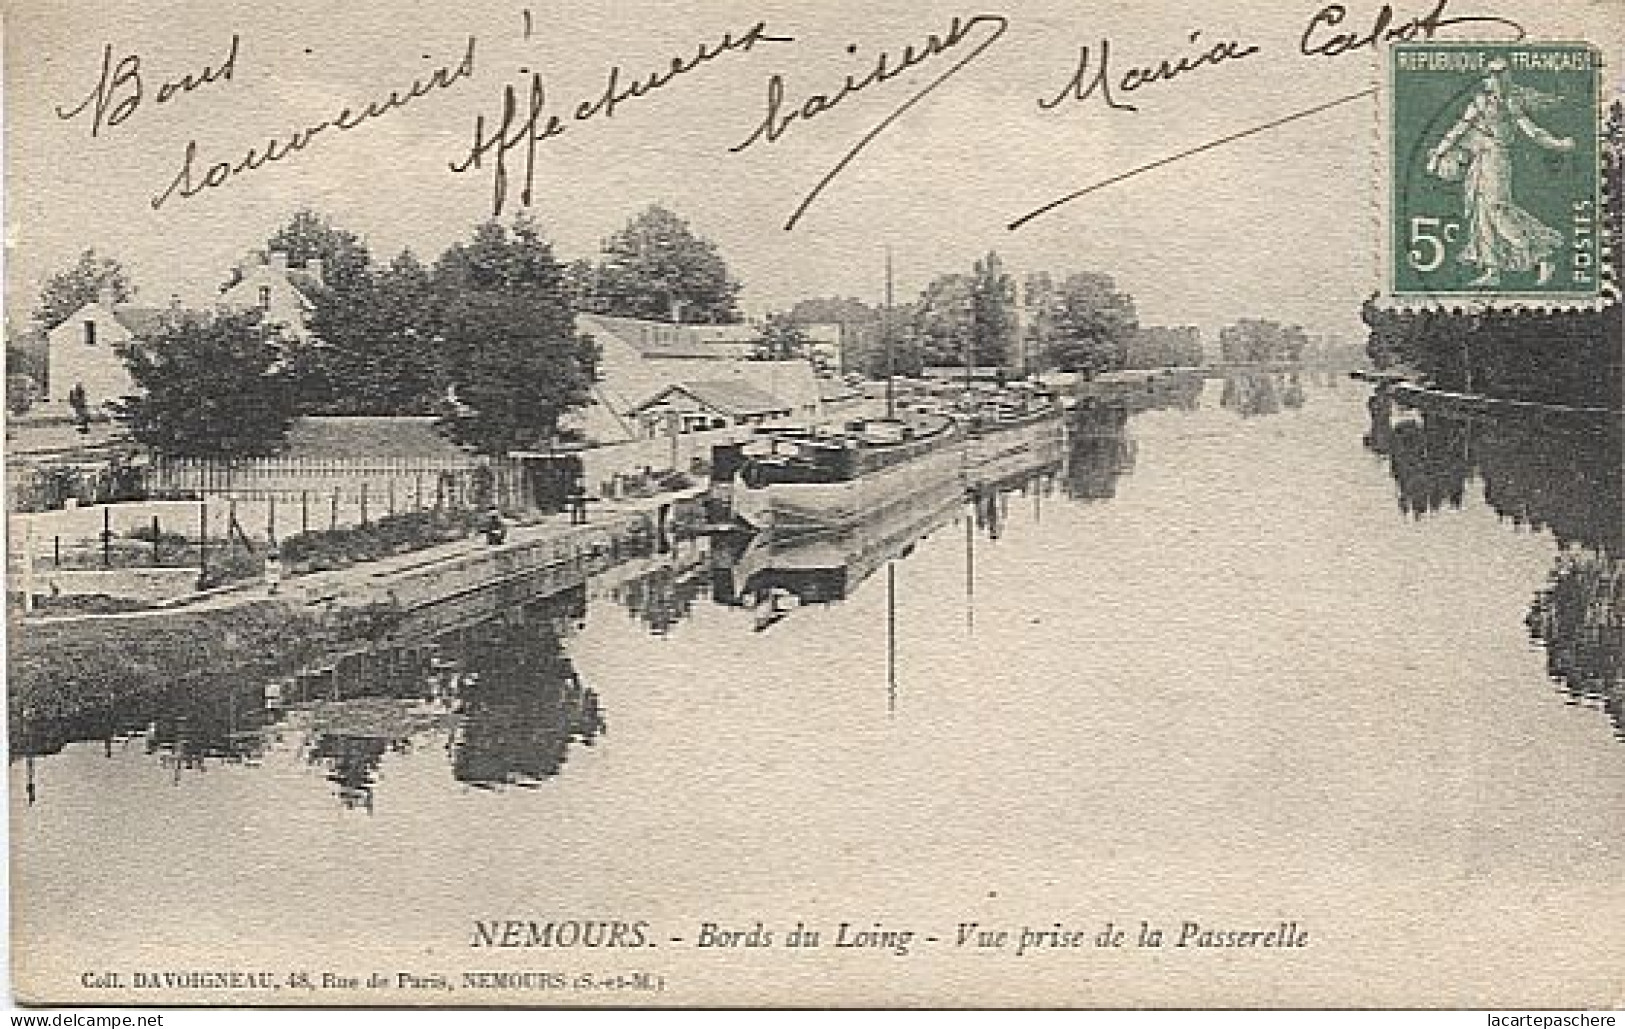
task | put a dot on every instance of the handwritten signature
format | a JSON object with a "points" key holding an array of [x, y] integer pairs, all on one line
{"points": [[1322, 37]]}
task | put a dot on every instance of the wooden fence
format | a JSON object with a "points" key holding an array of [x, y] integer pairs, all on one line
{"points": [[377, 485]]}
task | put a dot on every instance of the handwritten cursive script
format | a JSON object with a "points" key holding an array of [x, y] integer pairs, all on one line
{"points": [[1316, 42], [777, 120], [1084, 82], [120, 89], [186, 182], [513, 129]]}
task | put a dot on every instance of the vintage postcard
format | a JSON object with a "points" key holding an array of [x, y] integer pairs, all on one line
{"points": [[568, 504]]}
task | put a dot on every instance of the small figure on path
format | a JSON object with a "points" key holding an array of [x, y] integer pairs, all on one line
{"points": [[495, 529], [273, 569], [578, 503]]}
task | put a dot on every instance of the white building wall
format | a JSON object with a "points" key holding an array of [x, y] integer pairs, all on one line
{"points": [[96, 366]]}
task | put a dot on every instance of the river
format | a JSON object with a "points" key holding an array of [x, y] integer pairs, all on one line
{"points": [[1259, 651]]}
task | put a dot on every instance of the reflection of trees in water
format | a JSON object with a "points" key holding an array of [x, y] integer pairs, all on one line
{"points": [[990, 501], [521, 701], [506, 685], [1099, 450], [1565, 483], [1254, 394], [662, 596], [1580, 617], [1179, 392], [352, 763], [224, 724], [200, 718], [1292, 394], [1430, 463]]}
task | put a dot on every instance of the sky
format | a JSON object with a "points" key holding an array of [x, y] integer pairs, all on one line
{"points": [[1282, 223]]}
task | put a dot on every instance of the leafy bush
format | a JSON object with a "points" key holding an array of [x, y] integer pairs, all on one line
{"points": [[325, 549], [231, 566], [146, 534]]}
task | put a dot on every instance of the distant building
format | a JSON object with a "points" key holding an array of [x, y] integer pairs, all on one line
{"points": [[702, 405], [640, 359], [284, 296], [84, 348]]}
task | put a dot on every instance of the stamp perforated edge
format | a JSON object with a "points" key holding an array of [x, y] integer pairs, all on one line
{"points": [[1384, 186]]}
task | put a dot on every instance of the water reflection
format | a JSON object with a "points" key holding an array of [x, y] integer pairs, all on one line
{"points": [[774, 573], [1255, 394], [500, 694], [661, 597], [489, 679], [521, 701], [1563, 482], [1099, 452], [1580, 617]]}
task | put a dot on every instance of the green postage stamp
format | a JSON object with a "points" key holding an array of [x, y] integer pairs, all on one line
{"points": [[1493, 172]]}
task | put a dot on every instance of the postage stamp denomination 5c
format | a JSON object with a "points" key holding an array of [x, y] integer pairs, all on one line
{"points": [[1494, 184]]}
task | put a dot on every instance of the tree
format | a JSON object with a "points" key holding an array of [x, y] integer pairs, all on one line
{"points": [[213, 386], [581, 285], [1261, 341], [1093, 321], [1161, 346], [993, 313], [515, 363], [21, 392], [1038, 298], [843, 311], [942, 319], [26, 354], [782, 339], [72, 288], [975, 312], [380, 353], [862, 328], [344, 255], [657, 268]]}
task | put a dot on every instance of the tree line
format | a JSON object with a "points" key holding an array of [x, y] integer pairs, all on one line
{"points": [[483, 337], [1078, 321]]}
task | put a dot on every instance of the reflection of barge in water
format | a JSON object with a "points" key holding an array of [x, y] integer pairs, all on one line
{"points": [[778, 569], [820, 566], [810, 479]]}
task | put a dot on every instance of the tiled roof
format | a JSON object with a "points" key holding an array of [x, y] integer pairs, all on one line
{"points": [[731, 398], [335, 437], [662, 339], [141, 321]]}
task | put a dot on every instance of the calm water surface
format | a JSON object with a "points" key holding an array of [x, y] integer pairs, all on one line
{"points": [[1267, 650]]}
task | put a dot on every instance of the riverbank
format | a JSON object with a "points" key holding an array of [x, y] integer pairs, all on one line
{"points": [[68, 663], [1467, 405]]}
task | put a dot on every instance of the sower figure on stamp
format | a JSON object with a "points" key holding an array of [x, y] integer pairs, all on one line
{"points": [[1477, 151]]}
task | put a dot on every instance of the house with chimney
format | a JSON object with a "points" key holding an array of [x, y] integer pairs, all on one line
{"points": [[84, 349], [284, 296]]}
